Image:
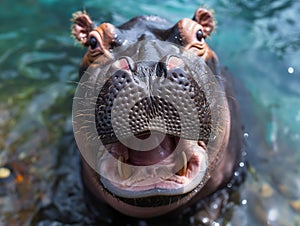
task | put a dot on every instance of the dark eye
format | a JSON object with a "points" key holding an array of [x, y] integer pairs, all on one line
{"points": [[93, 42], [199, 35]]}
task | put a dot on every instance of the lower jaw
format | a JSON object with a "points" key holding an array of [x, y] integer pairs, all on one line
{"points": [[147, 209], [155, 182], [157, 203], [154, 195], [150, 201]]}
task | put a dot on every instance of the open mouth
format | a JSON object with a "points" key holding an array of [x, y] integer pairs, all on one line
{"points": [[173, 167]]}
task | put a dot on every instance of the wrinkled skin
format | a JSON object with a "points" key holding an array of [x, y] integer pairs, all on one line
{"points": [[190, 34]]}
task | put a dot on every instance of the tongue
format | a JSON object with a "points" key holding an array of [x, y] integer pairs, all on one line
{"points": [[145, 158]]}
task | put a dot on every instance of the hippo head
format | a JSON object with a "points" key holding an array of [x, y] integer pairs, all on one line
{"points": [[150, 115]]}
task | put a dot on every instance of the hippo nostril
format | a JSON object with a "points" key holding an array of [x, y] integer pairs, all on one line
{"points": [[161, 69], [174, 62], [125, 62], [169, 62]]}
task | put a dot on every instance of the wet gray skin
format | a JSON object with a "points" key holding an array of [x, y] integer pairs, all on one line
{"points": [[153, 121]]}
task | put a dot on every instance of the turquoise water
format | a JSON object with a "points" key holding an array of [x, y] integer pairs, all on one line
{"points": [[259, 41]]}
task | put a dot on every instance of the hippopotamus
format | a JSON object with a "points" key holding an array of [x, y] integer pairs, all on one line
{"points": [[155, 117]]}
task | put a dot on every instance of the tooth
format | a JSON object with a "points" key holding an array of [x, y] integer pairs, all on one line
{"points": [[123, 170], [183, 170]]}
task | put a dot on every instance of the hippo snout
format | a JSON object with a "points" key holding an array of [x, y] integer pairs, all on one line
{"points": [[162, 90]]}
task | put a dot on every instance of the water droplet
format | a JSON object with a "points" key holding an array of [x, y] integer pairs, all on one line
{"points": [[246, 135], [192, 220], [273, 214], [205, 220], [291, 70], [236, 173], [215, 206], [242, 164], [213, 137], [229, 185], [244, 201]]}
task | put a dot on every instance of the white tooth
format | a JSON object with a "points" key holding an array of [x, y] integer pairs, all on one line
{"points": [[123, 170], [184, 158], [183, 170], [120, 159]]}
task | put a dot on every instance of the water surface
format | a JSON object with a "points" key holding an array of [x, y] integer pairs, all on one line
{"points": [[259, 41]]}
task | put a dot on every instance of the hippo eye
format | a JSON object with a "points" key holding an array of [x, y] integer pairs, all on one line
{"points": [[199, 35], [93, 42]]}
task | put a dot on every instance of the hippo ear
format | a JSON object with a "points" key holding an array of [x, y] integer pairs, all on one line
{"points": [[206, 19], [81, 27]]}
